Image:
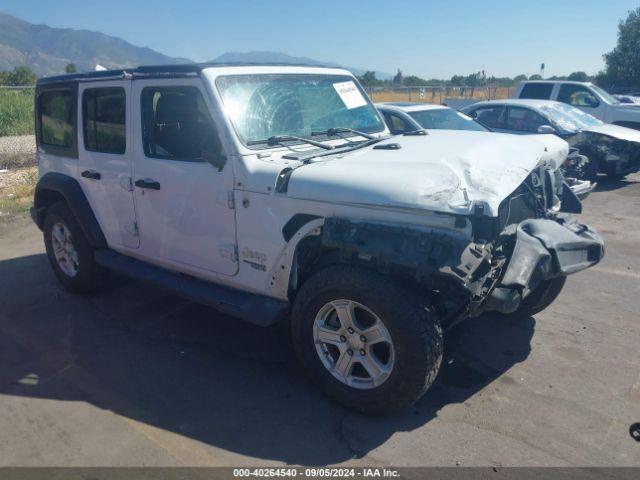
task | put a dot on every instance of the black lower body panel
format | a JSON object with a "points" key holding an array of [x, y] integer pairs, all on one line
{"points": [[258, 309]]}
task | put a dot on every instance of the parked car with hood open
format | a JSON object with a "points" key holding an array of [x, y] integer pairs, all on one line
{"points": [[276, 192]]}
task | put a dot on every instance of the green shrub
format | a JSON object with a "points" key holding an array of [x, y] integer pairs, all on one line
{"points": [[16, 112]]}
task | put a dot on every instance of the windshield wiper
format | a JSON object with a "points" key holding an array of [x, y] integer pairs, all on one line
{"points": [[277, 139], [333, 132]]}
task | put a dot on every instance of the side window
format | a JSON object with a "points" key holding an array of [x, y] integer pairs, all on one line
{"points": [[396, 124], [492, 117], [577, 95], [538, 91], [524, 120], [56, 111], [103, 120], [176, 124]]}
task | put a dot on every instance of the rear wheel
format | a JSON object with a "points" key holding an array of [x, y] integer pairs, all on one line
{"points": [[70, 255], [366, 340]]}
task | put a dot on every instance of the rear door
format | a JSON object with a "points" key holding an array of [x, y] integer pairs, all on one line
{"points": [[104, 153], [184, 203]]}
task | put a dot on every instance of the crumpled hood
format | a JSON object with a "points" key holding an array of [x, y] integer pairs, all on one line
{"points": [[616, 131], [444, 171]]}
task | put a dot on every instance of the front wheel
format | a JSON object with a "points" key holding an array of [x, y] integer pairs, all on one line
{"points": [[366, 340]]}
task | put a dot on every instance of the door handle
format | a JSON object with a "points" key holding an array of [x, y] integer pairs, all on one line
{"points": [[147, 183], [92, 174]]}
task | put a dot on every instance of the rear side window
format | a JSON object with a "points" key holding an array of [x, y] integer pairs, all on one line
{"points": [[538, 91], [396, 124], [176, 124], [103, 120], [56, 114], [492, 117]]}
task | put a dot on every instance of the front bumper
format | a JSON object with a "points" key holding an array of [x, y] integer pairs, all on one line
{"points": [[581, 188], [544, 249]]}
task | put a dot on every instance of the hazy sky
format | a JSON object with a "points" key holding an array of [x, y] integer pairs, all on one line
{"points": [[429, 38]]}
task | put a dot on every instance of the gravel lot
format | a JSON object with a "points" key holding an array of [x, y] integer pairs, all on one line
{"points": [[133, 376], [17, 151]]}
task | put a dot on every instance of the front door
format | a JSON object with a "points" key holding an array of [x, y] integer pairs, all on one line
{"points": [[583, 98], [104, 159], [184, 203]]}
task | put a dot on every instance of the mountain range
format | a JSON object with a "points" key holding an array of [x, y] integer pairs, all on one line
{"points": [[47, 50]]}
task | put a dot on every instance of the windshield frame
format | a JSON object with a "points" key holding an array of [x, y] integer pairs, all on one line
{"points": [[340, 76], [605, 96]]}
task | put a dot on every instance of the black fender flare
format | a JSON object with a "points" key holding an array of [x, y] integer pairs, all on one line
{"points": [[71, 191]]}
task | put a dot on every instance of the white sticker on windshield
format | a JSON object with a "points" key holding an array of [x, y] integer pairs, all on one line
{"points": [[350, 94]]}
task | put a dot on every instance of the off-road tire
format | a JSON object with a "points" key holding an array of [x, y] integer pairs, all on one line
{"points": [[90, 275], [541, 297], [415, 332]]}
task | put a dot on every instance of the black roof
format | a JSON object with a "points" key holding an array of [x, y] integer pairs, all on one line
{"points": [[179, 70]]}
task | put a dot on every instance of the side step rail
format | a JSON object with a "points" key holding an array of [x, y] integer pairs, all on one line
{"points": [[258, 309]]}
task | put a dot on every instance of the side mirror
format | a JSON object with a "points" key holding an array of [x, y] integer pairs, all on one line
{"points": [[546, 130], [591, 102], [217, 159]]}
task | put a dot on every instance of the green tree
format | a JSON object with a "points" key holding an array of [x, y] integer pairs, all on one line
{"points": [[520, 78], [414, 81], [623, 62], [4, 78], [368, 79], [457, 81], [70, 68], [22, 75], [535, 77], [578, 77]]}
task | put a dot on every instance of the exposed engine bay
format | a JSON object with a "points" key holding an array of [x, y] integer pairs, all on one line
{"points": [[613, 156]]}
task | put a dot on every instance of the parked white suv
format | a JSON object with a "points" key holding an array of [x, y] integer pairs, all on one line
{"points": [[583, 95], [273, 192]]}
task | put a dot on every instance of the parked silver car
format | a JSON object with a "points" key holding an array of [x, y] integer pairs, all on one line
{"points": [[402, 117], [614, 149]]}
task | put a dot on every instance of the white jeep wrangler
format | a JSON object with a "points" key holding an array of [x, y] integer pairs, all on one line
{"points": [[276, 192]]}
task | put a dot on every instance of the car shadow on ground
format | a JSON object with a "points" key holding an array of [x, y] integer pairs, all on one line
{"points": [[608, 184], [181, 367]]}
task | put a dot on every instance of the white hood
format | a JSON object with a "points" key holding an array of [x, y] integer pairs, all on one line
{"points": [[444, 171], [616, 131]]}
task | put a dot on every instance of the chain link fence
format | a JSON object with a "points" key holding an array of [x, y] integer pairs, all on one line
{"points": [[438, 95]]}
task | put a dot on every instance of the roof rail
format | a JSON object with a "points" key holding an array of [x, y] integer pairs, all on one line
{"points": [[177, 70]]}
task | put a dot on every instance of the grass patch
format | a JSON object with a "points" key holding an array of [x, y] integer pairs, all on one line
{"points": [[17, 197], [16, 112]]}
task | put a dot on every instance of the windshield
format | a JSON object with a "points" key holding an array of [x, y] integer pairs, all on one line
{"points": [[446, 119], [606, 96], [568, 118], [270, 105]]}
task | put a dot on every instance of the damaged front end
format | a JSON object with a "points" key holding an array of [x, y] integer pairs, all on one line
{"points": [[530, 242], [614, 156], [538, 240]]}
